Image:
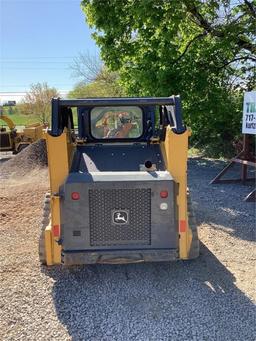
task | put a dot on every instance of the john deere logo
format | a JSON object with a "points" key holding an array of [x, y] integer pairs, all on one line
{"points": [[120, 217]]}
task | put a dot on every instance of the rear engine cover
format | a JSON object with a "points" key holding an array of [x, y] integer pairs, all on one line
{"points": [[118, 210]]}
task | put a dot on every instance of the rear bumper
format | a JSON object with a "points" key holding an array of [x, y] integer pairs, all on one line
{"points": [[117, 256]]}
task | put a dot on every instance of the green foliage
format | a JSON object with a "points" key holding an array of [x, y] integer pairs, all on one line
{"points": [[8, 110], [202, 50], [105, 84]]}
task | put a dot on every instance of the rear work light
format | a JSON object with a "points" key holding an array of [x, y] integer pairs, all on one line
{"points": [[164, 194], [75, 196], [163, 206]]}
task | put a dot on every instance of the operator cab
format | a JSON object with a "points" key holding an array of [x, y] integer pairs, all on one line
{"points": [[116, 119], [118, 134], [116, 123], [117, 139]]}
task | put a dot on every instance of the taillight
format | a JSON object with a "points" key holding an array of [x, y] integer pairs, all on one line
{"points": [[183, 225], [164, 194], [56, 230], [75, 196]]}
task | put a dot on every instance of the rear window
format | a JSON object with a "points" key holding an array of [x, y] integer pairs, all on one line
{"points": [[116, 122]]}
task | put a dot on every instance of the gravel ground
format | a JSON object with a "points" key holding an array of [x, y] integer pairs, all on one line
{"points": [[32, 157], [210, 298]]}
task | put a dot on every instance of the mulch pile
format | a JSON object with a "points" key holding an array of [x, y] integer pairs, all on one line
{"points": [[30, 158]]}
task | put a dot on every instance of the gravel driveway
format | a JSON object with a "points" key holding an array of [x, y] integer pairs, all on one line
{"points": [[210, 298]]}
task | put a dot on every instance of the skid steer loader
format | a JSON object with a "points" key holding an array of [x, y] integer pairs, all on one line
{"points": [[118, 184]]}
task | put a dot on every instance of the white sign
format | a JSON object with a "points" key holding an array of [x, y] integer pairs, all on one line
{"points": [[249, 113]]}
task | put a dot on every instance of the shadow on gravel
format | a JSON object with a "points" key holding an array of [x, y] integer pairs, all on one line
{"points": [[153, 301], [221, 205]]}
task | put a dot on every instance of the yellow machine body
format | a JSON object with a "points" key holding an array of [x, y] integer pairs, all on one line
{"points": [[60, 151]]}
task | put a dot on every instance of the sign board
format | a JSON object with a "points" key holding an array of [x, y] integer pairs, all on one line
{"points": [[249, 113]]}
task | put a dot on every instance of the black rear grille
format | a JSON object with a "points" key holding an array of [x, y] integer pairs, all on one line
{"points": [[131, 206]]}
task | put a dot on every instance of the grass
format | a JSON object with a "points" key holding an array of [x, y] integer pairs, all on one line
{"points": [[17, 118], [22, 120]]}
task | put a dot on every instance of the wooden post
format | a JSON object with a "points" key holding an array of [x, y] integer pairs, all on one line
{"points": [[245, 156]]}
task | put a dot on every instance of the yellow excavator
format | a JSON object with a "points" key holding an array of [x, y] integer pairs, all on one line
{"points": [[12, 140]]}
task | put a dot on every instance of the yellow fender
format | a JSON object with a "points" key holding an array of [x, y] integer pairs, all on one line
{"points": [[175, 149], [60, 152]]}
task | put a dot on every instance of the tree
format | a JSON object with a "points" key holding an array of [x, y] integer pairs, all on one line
{"points": [[97, 79], [87, 67], [95, 89], [37, 101], [203, 50], [105, 84]]}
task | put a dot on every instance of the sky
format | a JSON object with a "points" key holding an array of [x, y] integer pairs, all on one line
{"points": [[39, 40]]}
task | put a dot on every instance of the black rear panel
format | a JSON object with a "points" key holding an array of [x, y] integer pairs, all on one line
{"points": [[118, 210], [114, 158]]}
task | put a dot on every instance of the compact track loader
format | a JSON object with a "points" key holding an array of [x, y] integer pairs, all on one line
{"points": [[118, 184]]}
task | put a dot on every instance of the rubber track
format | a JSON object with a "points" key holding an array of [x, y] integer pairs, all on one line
{"points": [[194, 250], [44, 223]]}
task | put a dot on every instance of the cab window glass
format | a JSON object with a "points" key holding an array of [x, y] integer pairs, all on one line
{"points": [[116, 122]]}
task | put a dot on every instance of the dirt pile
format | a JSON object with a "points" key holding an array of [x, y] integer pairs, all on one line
{"points": [[32, 157]]}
